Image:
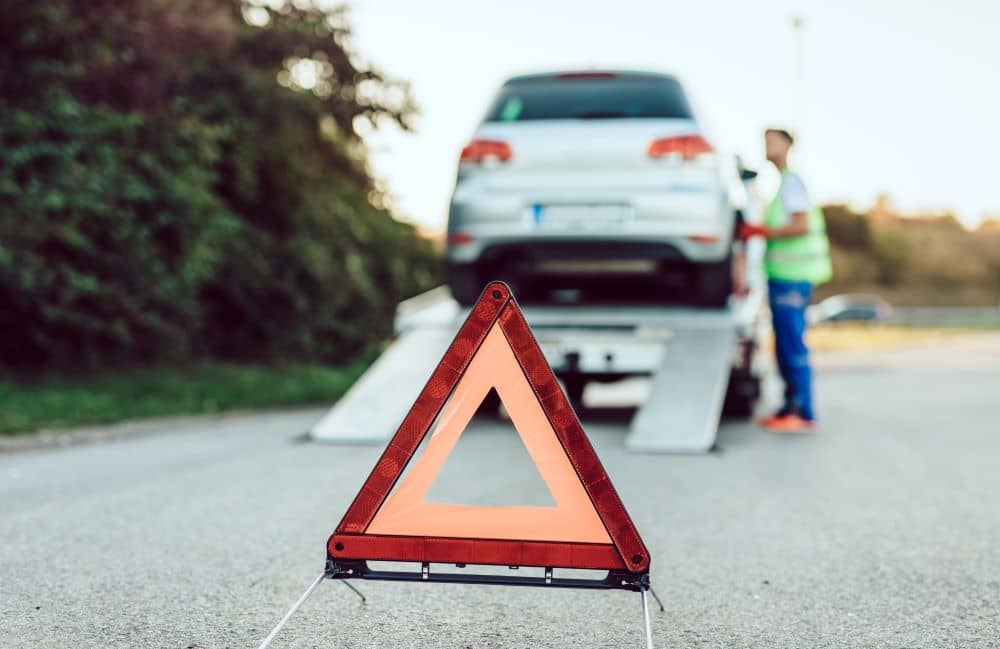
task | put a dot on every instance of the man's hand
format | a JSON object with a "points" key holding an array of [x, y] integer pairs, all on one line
{"points": [[798, 226], [749, 230]]}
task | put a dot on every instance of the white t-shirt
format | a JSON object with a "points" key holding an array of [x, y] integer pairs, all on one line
{"points": [[794, 196]]}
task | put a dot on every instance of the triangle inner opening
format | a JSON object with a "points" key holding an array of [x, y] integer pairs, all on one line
{"points": [[490, 467]]}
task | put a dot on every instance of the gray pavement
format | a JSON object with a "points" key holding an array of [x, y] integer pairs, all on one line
{"points": [[880, 530]]}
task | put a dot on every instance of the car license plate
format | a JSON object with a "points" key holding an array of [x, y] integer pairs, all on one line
{"points": [[580, 216]]}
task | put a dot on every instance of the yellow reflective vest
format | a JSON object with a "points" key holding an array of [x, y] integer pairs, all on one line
{"points": [[797, 259]]}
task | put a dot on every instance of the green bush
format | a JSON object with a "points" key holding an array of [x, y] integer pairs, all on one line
{"points": [[163, 196], [891, 250]]}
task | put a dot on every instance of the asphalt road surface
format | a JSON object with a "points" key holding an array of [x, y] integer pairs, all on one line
{"points": [[880, 530]]}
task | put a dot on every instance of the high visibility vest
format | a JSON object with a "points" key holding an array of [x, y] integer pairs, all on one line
{"points": [[797, 259]]}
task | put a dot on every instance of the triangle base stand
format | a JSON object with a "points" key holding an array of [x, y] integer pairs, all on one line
{"points": [[345, 571]]}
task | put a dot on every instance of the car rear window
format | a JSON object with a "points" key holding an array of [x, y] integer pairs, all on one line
{"points": [[589, 98]]}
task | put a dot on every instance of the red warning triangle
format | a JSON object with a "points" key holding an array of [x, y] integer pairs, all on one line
{"points": [[588, 527]]}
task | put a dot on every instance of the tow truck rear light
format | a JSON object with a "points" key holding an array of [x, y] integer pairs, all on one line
{"points": [[479, 151], [686, 147]]}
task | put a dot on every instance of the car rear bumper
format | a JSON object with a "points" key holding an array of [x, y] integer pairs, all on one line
{"points": [[697, 248], [694, 225]]}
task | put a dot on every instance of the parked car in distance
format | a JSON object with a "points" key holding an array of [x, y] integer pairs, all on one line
{"points": [[850, 308], [598, 180]]}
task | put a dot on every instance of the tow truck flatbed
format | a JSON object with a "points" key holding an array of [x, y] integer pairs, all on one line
{"points": [[693, 357]]}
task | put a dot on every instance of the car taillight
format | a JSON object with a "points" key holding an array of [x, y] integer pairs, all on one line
{"points": [[686, 147], [460, 238], [479, 151]]}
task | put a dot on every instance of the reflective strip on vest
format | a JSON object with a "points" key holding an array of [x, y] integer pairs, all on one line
{"points": [[797, 259], [789, 256]]}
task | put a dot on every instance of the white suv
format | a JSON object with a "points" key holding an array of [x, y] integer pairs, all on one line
{"points": [[596, 182]]}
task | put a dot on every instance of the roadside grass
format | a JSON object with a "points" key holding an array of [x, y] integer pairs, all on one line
{"points": [[60, 400]]}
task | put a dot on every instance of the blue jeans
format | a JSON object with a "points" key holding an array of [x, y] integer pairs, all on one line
{"points": [[788, 317]]}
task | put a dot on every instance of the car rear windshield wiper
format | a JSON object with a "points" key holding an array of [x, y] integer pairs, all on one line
{"points": [[600, 114]]}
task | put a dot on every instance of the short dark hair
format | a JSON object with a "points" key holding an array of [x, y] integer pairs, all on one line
{"points": [[783, 133]]}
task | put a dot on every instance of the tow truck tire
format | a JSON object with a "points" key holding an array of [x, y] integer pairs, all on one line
{"points": [[742, 394], [714, 283], [490, 407], [463, 280], [574, 390]]}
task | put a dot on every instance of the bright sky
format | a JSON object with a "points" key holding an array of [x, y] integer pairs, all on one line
{"points": [[895, 96]]}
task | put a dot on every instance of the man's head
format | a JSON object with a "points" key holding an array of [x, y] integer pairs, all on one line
{"points": [[777, 142]]}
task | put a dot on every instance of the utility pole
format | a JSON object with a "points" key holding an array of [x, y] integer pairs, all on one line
{"points": [[799, 58]]}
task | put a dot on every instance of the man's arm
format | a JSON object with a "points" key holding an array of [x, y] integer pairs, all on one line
{"points": [[796, 202], [798, 225]]}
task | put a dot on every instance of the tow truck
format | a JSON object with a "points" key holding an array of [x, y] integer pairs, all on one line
{"points": [[701, 364]]}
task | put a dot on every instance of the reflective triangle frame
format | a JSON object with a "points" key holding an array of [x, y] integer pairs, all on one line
{"points": [[351, 544]]}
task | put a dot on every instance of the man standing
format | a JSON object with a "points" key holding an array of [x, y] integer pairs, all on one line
{"points": [[797, 259]]}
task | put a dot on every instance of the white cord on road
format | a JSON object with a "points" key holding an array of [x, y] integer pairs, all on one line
{"points": [[645, 616], [273, 634]]}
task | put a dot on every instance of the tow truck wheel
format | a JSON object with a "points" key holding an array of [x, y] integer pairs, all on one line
{"points": [[574, 390], [490, 407], [741, 395]]}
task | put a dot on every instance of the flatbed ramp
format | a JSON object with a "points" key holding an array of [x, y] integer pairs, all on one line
{"points": [[681, 414], [687, 354], [371, 411]]}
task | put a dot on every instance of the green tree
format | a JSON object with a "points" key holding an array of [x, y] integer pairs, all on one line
{"points": [[169, 187], [847, 228]]}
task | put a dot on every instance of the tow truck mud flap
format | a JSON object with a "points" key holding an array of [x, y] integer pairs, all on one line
{"points": [[681, 414], [375, 405]]}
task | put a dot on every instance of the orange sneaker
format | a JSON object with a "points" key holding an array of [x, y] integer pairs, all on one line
{"points": [[787, 424], [770, 419]]}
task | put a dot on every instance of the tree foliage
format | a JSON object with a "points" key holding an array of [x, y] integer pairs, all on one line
{"points": [[847, 228], [892, 251], [169, 188], [915, 260]]}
